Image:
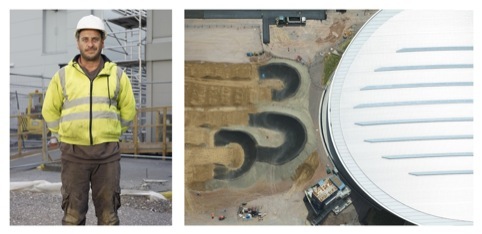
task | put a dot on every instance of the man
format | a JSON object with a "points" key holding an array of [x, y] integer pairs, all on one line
{"points": [[88, 105]]}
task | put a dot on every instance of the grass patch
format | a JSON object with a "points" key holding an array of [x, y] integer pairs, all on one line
{"points": [[344, 45], [330, 63]]}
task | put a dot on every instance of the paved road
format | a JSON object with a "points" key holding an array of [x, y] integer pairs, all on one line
{"points": [[253, 14], [268, 16]]}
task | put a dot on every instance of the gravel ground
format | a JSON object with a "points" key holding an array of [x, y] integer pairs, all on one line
{"points": [[35, 208], [37, 202]]}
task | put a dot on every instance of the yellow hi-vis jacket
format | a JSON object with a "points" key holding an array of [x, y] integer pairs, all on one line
{"points": [[89, 112]]}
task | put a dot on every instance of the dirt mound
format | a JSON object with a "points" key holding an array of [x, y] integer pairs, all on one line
{"points": [[232, 155]]}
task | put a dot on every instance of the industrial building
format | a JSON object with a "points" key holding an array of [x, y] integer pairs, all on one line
{"points": [[326, 196], [397, 116]]}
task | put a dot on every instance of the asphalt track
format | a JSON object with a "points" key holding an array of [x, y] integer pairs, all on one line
{"points": [[284, 72], [249, 145], [293, 130]]}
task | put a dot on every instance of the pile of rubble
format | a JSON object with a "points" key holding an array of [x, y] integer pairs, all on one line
{"points": [[250, 213]]}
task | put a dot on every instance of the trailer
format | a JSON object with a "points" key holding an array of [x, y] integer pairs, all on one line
{"points": [[296, 20]]}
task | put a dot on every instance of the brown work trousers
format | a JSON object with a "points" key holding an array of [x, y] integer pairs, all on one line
{"points": [[103, 179]]}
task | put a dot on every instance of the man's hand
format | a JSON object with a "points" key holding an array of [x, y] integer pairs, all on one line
{"points": [[53, 142]]}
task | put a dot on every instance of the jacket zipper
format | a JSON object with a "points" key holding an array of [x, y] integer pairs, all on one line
{"points": [[90, 110], [90, 114]]}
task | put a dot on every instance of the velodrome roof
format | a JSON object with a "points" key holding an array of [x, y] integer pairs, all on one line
{"points": [[401, 114]]}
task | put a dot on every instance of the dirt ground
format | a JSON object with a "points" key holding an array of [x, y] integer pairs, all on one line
{"points": [[222, 87]]}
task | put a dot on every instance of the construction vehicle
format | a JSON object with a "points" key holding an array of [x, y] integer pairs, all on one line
{"points": [[32, 121]]}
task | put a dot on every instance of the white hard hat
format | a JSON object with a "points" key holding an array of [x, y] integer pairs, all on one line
{"points": [[90, 22]]}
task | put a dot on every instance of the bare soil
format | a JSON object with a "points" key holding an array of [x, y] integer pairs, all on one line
{"points": [[222, 87]]}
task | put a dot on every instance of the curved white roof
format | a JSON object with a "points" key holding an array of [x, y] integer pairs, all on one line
{"points": [[401, 114]]}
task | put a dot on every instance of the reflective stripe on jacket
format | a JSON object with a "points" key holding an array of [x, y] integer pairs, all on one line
{"points": [[89, 112]]}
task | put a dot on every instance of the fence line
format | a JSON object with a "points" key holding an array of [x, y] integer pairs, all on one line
{"points": [[141, 137]]}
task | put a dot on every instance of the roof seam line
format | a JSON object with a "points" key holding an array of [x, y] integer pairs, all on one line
{"points": [[412, 121], [431, 155], [432, 173], [424, 67], [419, 138], [412, 103], [439, 48]]}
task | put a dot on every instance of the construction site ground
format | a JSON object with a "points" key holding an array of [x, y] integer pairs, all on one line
{"points": [[35, 197], [222, 88]]}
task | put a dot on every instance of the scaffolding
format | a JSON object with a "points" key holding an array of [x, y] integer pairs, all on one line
{"points": [[131, 44], [144, 136]]}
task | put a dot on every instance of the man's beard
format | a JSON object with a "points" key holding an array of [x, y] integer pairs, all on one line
{"points": [[90, 57]]}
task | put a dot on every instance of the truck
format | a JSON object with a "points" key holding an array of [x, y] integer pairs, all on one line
{"points": [[285, 20]]}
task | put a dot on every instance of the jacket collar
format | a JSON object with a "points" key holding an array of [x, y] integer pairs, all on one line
{"points": [[108, 64], [76, 59]]}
